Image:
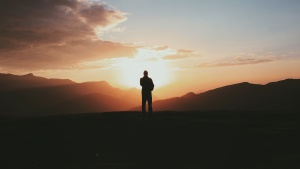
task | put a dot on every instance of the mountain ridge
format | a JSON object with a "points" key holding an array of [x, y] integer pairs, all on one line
{"points": [[9, 82], [281, 95], [42, 98], [61, 96]]}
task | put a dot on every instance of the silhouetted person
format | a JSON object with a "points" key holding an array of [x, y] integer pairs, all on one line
{"points": [[147, 87]]}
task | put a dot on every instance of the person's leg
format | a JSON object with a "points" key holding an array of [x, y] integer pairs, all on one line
{"points": [[149, 103], [143, 103]]}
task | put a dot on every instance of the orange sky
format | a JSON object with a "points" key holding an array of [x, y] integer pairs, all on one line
{"points": [[202, 46]]}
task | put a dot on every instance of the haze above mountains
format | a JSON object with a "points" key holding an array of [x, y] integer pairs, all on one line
{"points": [[31, 95]]}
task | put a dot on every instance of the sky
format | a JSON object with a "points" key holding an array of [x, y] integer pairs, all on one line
{"points": [[186, 45]]}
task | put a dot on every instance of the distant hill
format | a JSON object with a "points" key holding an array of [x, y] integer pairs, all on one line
{"points": [[10, 82], [31, 95], [276, 96]]}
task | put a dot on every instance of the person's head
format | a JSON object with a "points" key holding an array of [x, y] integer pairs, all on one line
{"points": [[145, 73]]}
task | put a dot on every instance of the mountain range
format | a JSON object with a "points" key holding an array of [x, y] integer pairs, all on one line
{"points": [[275, 96], [32, 95]]}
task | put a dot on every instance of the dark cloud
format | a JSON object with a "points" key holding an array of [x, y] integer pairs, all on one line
{"points": [[56, 33], [92, 13], [38, 22]]}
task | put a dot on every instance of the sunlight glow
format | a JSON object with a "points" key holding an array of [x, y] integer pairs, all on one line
{"points": [[146, 59]]}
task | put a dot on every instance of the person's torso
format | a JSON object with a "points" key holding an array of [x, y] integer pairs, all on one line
{"points": [[147, 84]]}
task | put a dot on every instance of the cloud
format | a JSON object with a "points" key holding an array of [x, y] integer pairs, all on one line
{"points": [[185, 51], [182, 54], [160, 48], [41, 34], [235, 62], [64, 56]]}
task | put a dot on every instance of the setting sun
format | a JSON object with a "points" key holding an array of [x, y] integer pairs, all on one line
{"points": [[132, 69]]}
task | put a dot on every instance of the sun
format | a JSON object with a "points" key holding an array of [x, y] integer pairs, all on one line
{"points": [[132, 69]]}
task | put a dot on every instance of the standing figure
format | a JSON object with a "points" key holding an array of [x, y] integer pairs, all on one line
{"points": [[147, 87]]}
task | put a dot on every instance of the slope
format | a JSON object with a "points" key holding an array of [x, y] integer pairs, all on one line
{"points": [[281, 95]]}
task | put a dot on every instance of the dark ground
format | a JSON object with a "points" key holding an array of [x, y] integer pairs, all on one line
{"points": [[126, 140]]}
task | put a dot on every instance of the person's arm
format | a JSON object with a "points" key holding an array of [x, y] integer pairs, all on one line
{"points": [[141, 83], [152, 85]]}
